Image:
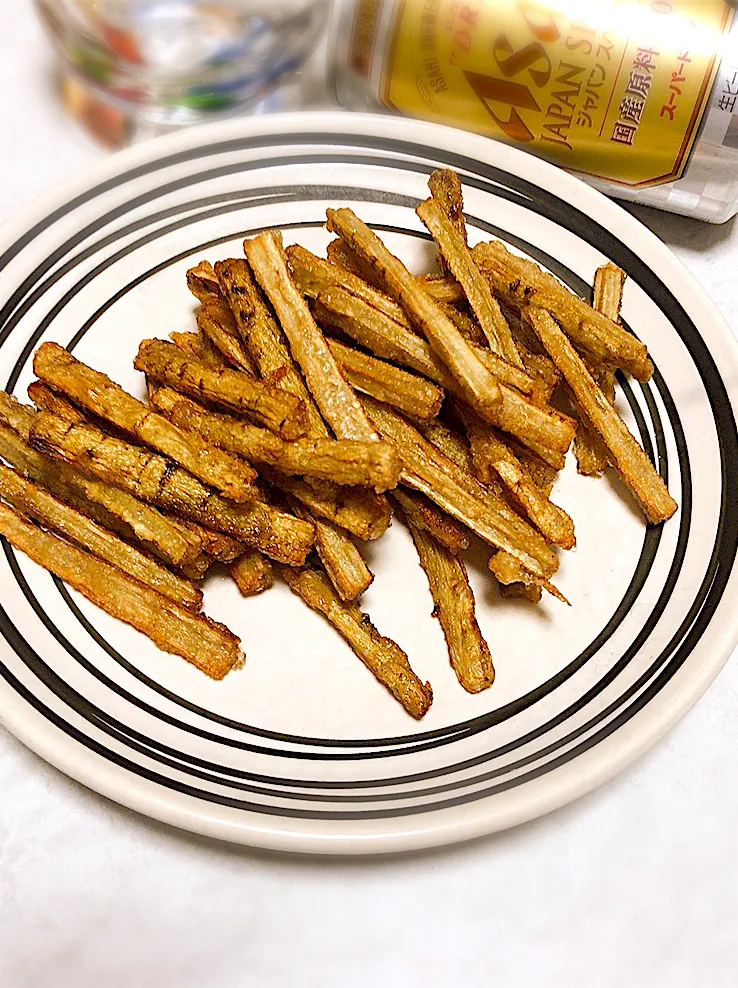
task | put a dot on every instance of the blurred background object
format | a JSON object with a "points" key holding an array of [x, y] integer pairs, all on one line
{"points": [[637, 97], [136, 68]]}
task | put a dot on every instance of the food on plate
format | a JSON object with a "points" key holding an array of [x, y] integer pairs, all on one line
{"points": [[413, 395], [205, 643], [383, 657], [315, 394], [624, 453], [343, 563], [252, 573], [454, 607], [344, 461], [332, 393], [167, 364], [589, 450], [478, 385], [156, 480], [44, 509], [459, 261], [97, 394]]}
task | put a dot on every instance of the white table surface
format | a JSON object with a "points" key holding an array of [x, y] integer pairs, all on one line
{"points": [[635, 885]]}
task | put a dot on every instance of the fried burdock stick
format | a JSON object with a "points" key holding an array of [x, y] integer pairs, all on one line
{"points": [[345, 461], [479, 386], [444, 290], [608, 297], [382, 657], [341, 560], [43, 508], [454, 607], [413, 395], [107, 504], [202, 281], [156, 480], [365, 514], [522, 283], [215, 322], [390, 340], [206, 644], [314, 274], [624, 452], [167, 364], [427, 470], [96, 393], [425, 515], [252, 573], [545, 431], [495, 461], [333, 395], [452, 244]]}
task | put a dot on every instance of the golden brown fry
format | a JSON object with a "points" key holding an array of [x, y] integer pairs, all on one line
{"points": [[101, 396], [388, 339], [164, 362], [264, 339], [345, 461], [443, 290], [215, 321], [314, 274], [382, 657], [509, 572], [523, 283], [218, 546], [458, 257], [155, 479], [341, 560], [39, 505], [365, 516], [454, 607], [493, 459], [107, 504], [413, 395], [202, 282], [198, 346], [206, 644], [252, 573], [544, 430], [445, 187], [363, 513], [624, 452], [542, 475], [479, 386], [424, 514], [333, 395], [591, 455], [426, 469], [451, 443]]}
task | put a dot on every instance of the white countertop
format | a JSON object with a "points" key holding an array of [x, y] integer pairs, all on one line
{"points": [[635, 885]]}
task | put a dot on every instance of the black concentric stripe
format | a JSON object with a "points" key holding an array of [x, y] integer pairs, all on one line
{"points": [[321, 192], [302, 812]]}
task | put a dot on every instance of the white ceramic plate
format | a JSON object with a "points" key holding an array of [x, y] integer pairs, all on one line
{"points": [[302, 749]]}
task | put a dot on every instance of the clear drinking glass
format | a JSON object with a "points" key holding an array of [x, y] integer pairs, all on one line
{"points": [[176, 62]]}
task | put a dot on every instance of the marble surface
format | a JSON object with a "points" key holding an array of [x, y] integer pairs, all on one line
{"points": [[636, 884]]}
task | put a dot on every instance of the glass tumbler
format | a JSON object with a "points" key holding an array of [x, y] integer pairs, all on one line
{"points": [[177, 62]]}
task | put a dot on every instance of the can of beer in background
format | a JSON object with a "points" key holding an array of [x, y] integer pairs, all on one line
{"points": [[637, 97]]}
